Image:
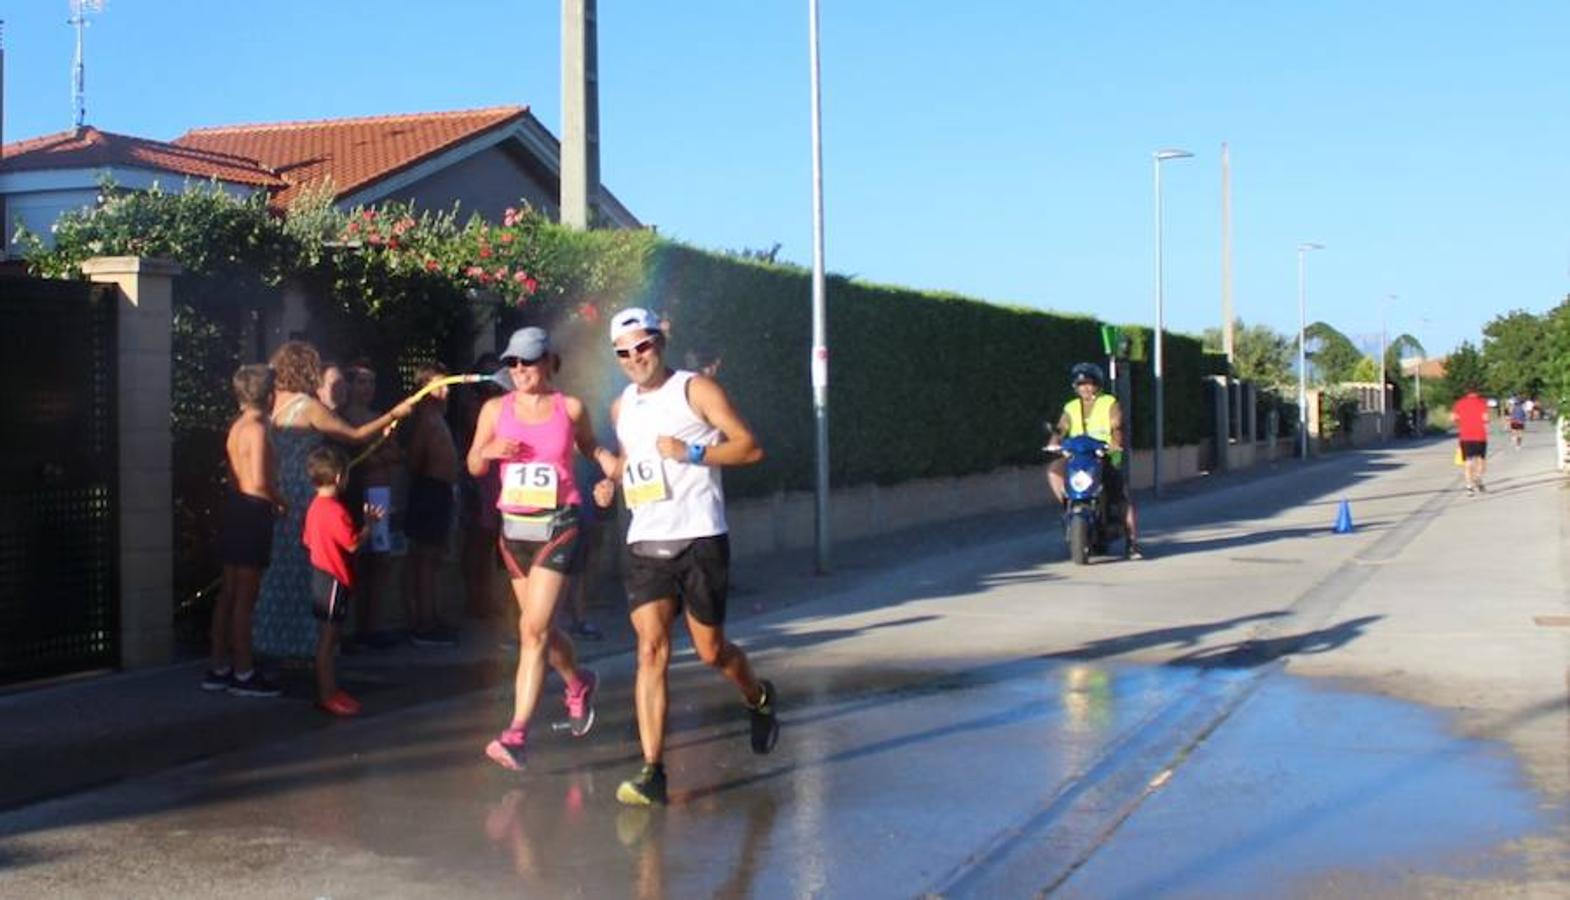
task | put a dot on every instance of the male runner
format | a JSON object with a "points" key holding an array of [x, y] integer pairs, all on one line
{"points": [[1470, 414], [676, 429]]}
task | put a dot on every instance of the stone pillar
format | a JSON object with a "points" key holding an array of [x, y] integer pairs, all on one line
{"points": [[1221, 402], [146, 330]]}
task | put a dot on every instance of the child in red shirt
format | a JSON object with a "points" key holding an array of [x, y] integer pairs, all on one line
{"points": [[330, 537]]}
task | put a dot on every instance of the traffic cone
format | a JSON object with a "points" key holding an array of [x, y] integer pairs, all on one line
{"points": [[1344, 519]]}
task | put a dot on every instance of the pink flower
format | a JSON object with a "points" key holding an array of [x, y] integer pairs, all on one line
{"points": [[432, 265], [352, 228], [375, 238], [485, 252], [368, 214], [403, 224], [509, 217], [474, 272], [506, 237], [392, 243], [520, 276], [530, 286], [501, 273]]}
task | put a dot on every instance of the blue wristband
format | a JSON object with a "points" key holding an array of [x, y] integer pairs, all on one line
{"points": [[695, 453]]}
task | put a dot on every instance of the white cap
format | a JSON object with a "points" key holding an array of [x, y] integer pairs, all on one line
{"points": [[633, 319]]}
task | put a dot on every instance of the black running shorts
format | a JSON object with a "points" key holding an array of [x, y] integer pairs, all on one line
{"points": [[559, 554], [1474, 449], [329, 598], [698, 577], [245, 531]]}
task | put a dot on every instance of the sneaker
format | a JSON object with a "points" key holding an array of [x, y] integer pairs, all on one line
{"points": [[507, 751], [381, 640], [1134, 551], [765, 725], [646, 789], [1482, 488], [580, 703], [257, 685], [217, 680], [433, 637], [1471, 490], [339, 704]]}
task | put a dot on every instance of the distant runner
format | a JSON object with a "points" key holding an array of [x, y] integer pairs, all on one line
{"points": [[1470, 415]]}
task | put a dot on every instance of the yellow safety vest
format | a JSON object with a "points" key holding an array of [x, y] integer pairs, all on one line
{"points": [[1100, 424]]}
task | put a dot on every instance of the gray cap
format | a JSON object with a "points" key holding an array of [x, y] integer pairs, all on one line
{"points": [[527, 344]]}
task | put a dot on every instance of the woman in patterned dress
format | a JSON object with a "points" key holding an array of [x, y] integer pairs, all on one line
{"points": [[283, 623]]}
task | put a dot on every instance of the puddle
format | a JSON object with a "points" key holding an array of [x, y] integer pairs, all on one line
{"points": [[1305, 781]]}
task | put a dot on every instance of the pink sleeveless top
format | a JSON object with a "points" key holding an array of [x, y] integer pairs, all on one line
{"points": [[549, 443]]}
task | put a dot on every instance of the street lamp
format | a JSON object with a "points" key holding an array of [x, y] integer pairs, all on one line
{"points": [[820, 339], [1302, 352], [1383, 352], [1161, 156]]}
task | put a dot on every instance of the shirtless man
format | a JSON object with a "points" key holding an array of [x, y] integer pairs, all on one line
{"points": [[432, 458]]}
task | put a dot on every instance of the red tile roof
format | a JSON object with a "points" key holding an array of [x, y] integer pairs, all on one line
{"points": [[348, 153], [85, 148]]}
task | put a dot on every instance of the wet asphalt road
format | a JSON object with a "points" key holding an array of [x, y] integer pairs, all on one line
{"points": [[1265, 709]]}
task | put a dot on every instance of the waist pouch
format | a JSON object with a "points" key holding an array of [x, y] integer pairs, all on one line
{"points": [[538, 526], [659, 549]]}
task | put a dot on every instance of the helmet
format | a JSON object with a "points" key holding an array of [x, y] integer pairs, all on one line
{"points": [[1086, 371]]}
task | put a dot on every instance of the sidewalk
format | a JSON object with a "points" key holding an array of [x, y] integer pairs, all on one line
{"points": [[68, 737]]}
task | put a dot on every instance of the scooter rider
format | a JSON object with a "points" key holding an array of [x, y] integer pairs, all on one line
{"points": [[1100, 416]]}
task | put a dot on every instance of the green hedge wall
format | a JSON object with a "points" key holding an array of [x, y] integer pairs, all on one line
{"points": [[920, 384]]}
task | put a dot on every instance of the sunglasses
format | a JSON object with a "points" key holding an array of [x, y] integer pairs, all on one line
{"points": [[516, 362], [636, 349]]}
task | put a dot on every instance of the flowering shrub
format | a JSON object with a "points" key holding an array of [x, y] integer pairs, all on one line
{"points": [[372, 259]]}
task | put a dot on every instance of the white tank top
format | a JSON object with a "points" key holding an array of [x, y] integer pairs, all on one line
{"points": [[669, 500]]}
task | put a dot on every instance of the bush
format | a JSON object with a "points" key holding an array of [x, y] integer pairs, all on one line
{"points": [[920, 384]]}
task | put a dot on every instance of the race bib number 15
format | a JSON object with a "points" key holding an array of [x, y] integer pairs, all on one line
{"points": [[531, 485], [643, 482]]}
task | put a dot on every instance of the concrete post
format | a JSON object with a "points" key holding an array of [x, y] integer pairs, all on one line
{"points": [[580, 130], [146, 330]]}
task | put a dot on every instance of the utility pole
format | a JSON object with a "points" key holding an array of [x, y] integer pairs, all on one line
{"points": [[1228, 314], [580, 94]]}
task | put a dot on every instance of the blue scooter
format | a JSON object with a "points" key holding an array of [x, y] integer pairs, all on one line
{"points": [[1092, 519]]}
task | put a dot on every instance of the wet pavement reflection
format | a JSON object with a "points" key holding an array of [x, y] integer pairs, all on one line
{"points": [[886, 782]]}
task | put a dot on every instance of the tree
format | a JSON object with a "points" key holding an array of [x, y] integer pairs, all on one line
{"points": [[1558, 370], [1401, 347], [1516, 353], [1366, 370], [1260, 353], [1464, 371], [1334, 355]]}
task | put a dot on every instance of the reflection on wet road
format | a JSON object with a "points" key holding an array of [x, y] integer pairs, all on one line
{"points": [[978, 782]]}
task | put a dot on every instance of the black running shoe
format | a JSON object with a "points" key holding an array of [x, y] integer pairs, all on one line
{"points": [[217, 681], [765, 724], [646, 789], [258, 685]]}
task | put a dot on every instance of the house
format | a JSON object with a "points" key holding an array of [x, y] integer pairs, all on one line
{"points": [[485, 160]]}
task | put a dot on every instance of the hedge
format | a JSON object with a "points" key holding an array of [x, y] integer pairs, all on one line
{"points": [[920, 384]]}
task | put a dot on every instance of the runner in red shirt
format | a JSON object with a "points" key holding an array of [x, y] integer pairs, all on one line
{"points": [[330, 536], [1470, 415]]}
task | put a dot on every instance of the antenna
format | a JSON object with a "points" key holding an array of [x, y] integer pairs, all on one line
{"points": [[79, 12]]}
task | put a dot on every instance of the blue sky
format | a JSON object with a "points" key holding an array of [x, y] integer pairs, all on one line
{"points": [[1001, 153]]}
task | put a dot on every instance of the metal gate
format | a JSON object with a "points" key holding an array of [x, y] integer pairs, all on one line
{"points": [[59, 510]]}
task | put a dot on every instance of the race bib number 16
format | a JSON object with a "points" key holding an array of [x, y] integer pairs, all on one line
{"points": [[530, 485], [643, 482]]}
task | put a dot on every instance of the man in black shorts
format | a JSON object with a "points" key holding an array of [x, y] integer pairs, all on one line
{"points": [[676, 429]]}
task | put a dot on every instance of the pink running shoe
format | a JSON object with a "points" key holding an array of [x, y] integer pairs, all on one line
{"points": [[580, 703], [507, 750]]}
